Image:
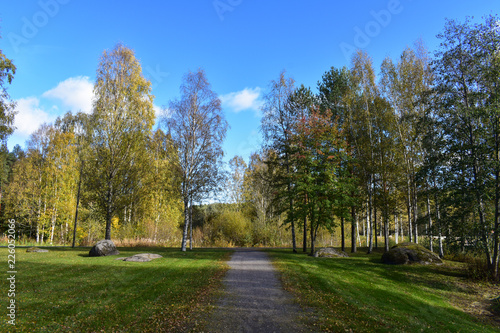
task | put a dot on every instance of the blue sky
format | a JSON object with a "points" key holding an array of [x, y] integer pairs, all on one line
{"points": [[241, 44]]}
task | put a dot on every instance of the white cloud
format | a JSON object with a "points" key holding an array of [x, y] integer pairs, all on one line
{"points": [[30, 116], [246, 99], [75, 93], [158, 111]]}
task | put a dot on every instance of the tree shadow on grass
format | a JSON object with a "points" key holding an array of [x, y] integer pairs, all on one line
{"points": [[72, 292], [196, 253], [378, 297]]}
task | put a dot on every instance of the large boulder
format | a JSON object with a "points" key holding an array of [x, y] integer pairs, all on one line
{"points": [[103, 247], [408, 253], [329, 252]]}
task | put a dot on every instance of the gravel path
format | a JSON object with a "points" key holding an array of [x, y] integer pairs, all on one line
{"points": [[254, 300]]}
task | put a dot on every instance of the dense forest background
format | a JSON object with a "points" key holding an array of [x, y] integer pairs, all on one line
{"points": [[410, 154]]}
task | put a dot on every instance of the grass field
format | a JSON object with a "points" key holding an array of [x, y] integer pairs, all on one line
{"points": [[363, 295], [66, 291]]}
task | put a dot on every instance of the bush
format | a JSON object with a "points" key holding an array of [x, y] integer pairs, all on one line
{"points": [[229, 227], [477, 269]]}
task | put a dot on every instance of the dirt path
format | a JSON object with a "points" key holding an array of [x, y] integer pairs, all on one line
{"points": [[254, 300]]}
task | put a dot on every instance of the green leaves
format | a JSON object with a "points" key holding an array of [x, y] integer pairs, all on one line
{"points": [[319, 156], [462, 135]]}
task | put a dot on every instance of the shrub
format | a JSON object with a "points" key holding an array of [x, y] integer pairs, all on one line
{"points": [[230, 227], [477, 268]]}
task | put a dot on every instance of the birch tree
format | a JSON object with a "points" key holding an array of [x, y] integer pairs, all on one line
{"points": [[197, 127], [363, 94], [467, 68], [122, 118], [403, 84], [235, 183], [276, 125]]}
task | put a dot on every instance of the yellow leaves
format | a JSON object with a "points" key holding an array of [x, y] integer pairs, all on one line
{"points": [[121, 88], [115, 223]]}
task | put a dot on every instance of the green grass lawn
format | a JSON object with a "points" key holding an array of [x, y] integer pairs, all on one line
{"points": [[363, 295], [64, 290]]}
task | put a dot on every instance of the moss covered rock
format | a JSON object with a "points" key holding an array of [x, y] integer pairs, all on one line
{"points": [[408, 253], [36, 249], [143, 257], [329, 252]]}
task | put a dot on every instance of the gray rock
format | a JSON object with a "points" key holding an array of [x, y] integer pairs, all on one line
{"points": [[143, 257], [408, 253], [103, 247], [330, 252], [36, 249]]}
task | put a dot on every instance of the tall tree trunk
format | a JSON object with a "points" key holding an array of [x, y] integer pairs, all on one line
{"points": [[410, 218], [438, 217], [186, 224], [480, 209], [354, 229], [430, 223], [39, 216], [191, 224], [311, 226], [155, 234], [396, 227], [375, 225], [304, 240], [386, 233], [365, 224], [77, 205], [43, 224], [415, 214], [496, 230], [294, 243], [109, 211], [402, 230], [370, 212], [342, 232], [53, 226]]}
